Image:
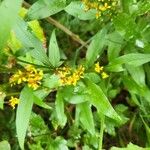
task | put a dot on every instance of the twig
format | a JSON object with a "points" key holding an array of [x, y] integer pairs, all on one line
{"points": [[61, 27]]}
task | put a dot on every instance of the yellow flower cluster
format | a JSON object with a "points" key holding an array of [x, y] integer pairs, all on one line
{"points": [[103, 7], [68, 76], [99, 69], [13, 101], [30, 75]]}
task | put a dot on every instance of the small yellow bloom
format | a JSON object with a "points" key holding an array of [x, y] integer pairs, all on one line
{"points": [[69, 76], [30, 75], [104, 75], [18, 78], [33, 84], [13, 101], [98, 14], [98, 68], [34, 78], [31, 69]]}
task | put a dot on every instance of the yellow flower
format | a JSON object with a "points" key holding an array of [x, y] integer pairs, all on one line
{"points": [[104, 75], [80, 71], [69, 76], [102, 7], [13, 101], [98, 68], [18, 78], [34, 78], [30, 69], [30, 75]]}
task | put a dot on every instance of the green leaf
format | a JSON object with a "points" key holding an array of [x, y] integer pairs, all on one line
{"points": [[30, 41], [135, 88], [59, 103], [51, 81], [44, 8], [143, 7], [78, 98], [147, 128], [86, 117], [115, 42], [8, 19], [75, 95], [54, 54], [96, 47], [4, 145], [40, 103], [125, 25], [2, 96], [139, 76], [41, 93], [130, 146], [37, 125], [76, 9], [133, 59], [100, 101], [23, 114]]}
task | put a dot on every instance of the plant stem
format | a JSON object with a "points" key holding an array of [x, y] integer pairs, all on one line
{"points": [[12, 94], [101, 131], [61, 27], [40, 66]]}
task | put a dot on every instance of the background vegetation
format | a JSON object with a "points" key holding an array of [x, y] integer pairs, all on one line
{"points": [[74, 75]]}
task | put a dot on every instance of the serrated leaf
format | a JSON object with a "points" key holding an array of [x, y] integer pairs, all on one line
{"points": [[8, 19], [23, 114], [100, 101], [54, 54], [76, 9], [30, 42], [86, 117], [44, 8], [96, 47]]}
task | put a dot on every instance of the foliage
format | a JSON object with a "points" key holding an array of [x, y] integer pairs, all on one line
{"points": [[59, 92]]}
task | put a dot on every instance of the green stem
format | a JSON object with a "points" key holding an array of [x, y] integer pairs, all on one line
{"points": [[26, 62], [78, 50], [13, 94], [101, 131]]}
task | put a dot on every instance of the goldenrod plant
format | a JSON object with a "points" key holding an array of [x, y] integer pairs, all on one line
{"points": [[74, 75]]}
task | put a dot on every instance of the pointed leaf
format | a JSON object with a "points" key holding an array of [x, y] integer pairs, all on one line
{"points": [[76, 9], [59, 103], [8, 19], [54, 54], [86, 117], [23, 114], [100, 101], [44, 8], [133, 59], [96, 47], [30, 41]]}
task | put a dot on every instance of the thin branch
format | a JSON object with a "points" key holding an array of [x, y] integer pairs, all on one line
{"points": [[61, 27]]}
